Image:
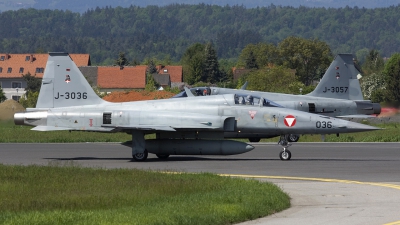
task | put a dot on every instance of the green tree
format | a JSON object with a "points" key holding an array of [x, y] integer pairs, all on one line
{"points": [[373, 62], [193, 63], [392, 78], [121, 61], [276, 79], [151, 84], [29, 102], [151, 67], [33, 83], [211, 71], [135, 62], [250, 61], [2, 95], [310, 58], [362, 55], [373, 83]]}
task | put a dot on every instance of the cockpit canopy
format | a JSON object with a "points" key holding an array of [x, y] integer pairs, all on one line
{"points": [[254, 100], [198, 91], [240, 99]]}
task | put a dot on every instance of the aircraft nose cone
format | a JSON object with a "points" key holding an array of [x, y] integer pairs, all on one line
{"points": [[249, 147]]}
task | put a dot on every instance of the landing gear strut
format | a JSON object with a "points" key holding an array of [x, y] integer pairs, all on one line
{"points": [[139, 152], [285, 154]]}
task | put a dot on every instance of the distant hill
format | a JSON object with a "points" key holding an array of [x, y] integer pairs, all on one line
{"points": [[166, 32], [82, 6]]}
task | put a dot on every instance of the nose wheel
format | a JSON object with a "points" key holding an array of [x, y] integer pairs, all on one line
{"points": [[285, 154]]}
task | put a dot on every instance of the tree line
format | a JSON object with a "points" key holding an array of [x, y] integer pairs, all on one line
{"points": [[166, 32]]}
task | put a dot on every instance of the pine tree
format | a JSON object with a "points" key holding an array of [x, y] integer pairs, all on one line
{"points": [[211, 71], [151, 68], [251, 61], [121, 61]]}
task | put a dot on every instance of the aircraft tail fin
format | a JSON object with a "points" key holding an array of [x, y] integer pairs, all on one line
{"points": [[64, 85], [340, 80]]}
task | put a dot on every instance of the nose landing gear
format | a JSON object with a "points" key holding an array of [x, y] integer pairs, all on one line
{"points": [[285, 154]]}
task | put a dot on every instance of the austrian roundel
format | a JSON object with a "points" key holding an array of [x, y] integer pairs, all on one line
{"points": [[289, 120]]}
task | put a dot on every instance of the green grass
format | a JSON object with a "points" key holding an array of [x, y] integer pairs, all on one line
{"points": [[75, 195]]}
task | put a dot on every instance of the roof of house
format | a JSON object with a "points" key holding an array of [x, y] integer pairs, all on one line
{"points": [[162, 79], [175, 72], [90, 73], [33, 63], [127, 77]]}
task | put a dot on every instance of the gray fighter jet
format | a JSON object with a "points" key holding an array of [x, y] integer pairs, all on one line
{"points": [[183, 126], [338, 95]]}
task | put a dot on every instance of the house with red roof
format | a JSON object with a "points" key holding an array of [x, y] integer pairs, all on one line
{"points": [[115, 78], [13, 66], [107, 78], [175, 74]]}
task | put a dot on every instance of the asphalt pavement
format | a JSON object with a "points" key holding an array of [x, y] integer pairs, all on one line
{"points": [[329, 183]]}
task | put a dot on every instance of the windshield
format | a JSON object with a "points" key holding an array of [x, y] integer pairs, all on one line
{"points": [[254, 100]]}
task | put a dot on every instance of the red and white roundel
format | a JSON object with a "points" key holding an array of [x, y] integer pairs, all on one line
{"points": [[289, 121]]}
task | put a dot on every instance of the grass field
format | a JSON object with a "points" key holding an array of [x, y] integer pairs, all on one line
{"points": [[10, 133], [74, 195]]}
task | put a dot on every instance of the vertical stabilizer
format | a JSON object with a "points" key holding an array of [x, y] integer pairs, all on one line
{"points": [[340, 80], [64, 85]]}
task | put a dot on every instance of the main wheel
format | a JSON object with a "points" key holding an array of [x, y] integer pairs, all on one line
{"points": [[140, 157], [162, 156], [294, 137], [285, 155], [254, 139]]}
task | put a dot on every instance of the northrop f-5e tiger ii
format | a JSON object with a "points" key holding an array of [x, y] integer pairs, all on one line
{"points": [[183, 126], [338, 94]]}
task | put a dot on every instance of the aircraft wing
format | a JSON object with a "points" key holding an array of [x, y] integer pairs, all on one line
{"points": [[57, 128], [161, 128], [171, 121]]}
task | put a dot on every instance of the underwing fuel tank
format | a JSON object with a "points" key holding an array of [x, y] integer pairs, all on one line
{"points": [[196, 147]]}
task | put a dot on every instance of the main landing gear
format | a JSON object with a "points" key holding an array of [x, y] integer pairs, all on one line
{"points": [[139, 157], [285, 154], [294, 137]]}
